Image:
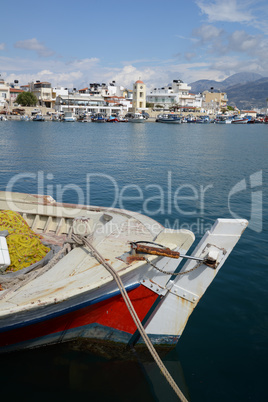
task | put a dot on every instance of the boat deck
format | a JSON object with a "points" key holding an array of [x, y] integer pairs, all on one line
{"points": [[79, 271]]}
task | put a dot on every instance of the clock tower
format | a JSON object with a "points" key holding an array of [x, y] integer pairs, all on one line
{"points": [[139, 95]]}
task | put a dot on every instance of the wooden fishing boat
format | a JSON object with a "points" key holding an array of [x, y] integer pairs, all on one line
{"points": [[239, 120], [104, 266], [169, 118]]}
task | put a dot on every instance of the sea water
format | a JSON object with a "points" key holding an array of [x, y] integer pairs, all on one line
{"points": [[184, 176]]}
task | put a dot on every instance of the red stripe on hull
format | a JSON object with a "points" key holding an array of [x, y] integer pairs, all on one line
{"points": [[112, 313]]}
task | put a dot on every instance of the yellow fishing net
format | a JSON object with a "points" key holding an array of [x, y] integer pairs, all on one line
{"points": [[24, 246]]}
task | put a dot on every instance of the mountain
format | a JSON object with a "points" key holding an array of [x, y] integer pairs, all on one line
{"points": [[248, 96], [244, 90], [239, 78]]}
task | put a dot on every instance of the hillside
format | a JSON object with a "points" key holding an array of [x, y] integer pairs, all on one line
{"points": [[247, 96], [244, 90]]}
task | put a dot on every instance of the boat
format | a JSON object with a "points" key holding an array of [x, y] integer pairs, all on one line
{"points": [[250, 119], [239, 120], [112, 119], [190, 119], [38, 117], [223, 119], [69, 117], [98, 118], [84, 117], [203, 119], [102, 273], [136, 118], [169, 118]]}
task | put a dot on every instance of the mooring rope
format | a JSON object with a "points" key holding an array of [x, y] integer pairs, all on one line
{"points": [[83, 240]]}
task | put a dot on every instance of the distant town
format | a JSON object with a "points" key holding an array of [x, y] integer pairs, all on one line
{"points": [[115, 100]]}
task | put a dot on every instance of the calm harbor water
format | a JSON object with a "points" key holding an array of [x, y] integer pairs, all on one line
{"points": [[183, 176]]}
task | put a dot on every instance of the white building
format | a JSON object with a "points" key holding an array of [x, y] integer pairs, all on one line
{"points": [[79, 103], [43, 92], [57, 91], [175, 94], [4, 93]]}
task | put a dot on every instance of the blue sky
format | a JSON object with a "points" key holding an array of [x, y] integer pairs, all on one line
{"points": [[74, 43]]}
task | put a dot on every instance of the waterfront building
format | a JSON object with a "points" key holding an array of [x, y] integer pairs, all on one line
{"points": [[214, 100], [139, 96], [118, 101], [251, 113], [58, 91], [14, 92], [4, 93], [43, 92], [84, 102], [172, 95]]}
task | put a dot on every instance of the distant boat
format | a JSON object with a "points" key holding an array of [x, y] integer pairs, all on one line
{"points": [[250, 119], [38, 117], [239, 120], [69, 116], [190, 119], [203, 119], [85, 118], [98, 118], [55, 117], [169, 118], [112, 119], [96, 272], [221, 119], [137, 118]]}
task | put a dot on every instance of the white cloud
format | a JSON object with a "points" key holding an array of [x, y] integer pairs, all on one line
{"points": [[232, 65], [208, 33], [128, 75], [240, 41], [2, 46], [228, 10], [84, 64], [46, 72], [35, 45]]}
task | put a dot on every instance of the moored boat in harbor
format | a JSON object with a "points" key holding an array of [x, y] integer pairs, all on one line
{"points": [[104, 271], [98, 118], [69, 117], [223, 119], [239, 120], [112, 119], [169, 118], [136, 118], [38, 117]]}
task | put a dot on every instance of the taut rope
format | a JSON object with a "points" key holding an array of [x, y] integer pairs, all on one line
{"points": [[83, 240]]}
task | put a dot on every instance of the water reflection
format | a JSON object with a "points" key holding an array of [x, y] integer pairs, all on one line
{"points": [[59, 373]]}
